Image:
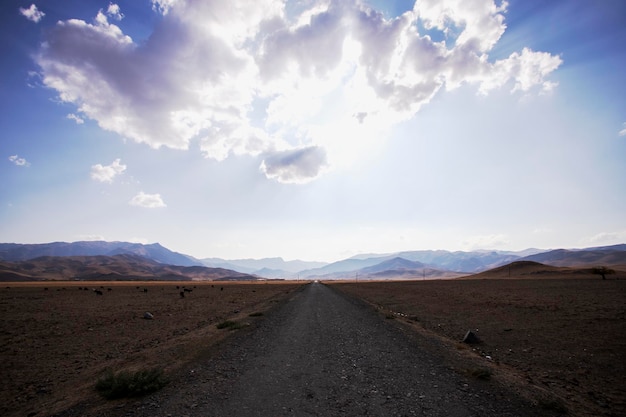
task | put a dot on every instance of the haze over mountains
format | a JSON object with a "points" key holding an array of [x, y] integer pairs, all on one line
{"points": [[410, 264]]}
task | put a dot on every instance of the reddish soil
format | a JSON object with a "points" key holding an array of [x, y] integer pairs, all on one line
{"points": [[561, 341], [564, 338], [56, 340]]}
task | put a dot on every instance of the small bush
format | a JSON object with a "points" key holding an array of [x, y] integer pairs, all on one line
{"points": [[257, 314], [130, 384], [228, 324], [481, 373]]}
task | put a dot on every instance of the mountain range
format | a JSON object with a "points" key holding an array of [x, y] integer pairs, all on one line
{"points": [[154, 251], [407, 264], [120, 267]]}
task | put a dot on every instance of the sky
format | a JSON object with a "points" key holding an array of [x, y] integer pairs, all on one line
{"points": [[314, 129]]}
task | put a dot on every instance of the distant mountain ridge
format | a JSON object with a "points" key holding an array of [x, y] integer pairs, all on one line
{"points": [[406, 264], [274, 266], [21, 252], [110, 268], [611, 255]]}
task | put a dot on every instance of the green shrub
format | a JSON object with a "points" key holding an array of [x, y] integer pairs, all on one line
{"points": [[228, 324], [130, 383]]}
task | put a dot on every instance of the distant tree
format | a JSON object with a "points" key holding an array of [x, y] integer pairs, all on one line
{"points": [[602, 270]]}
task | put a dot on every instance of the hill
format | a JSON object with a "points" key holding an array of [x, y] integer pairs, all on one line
{"points": [[533, 270], [109, 268], [20, 252], [610, 255]]}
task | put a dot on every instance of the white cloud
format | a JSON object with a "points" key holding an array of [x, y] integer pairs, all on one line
{"points": [[163, 6], [321, 82], [477, 22], [147, 200], [21, 162], [606, 238], [106, 173], [114, 11], [295, 166], [96, 238], [623, 131], [79, 120], [32, 13], [485, 242]]}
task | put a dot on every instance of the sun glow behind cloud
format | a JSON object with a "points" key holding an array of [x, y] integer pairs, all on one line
{"points": [[333, 78]]}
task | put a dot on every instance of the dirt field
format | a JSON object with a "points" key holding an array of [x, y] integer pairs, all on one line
{"points": [[57, 339], [564, 337]]}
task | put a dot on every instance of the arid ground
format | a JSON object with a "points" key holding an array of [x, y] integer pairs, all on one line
{"points": [[560, 341], [565, 338], [57, 339]]}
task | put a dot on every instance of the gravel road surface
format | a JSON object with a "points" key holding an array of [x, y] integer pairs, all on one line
{"points": [[325, 354]]}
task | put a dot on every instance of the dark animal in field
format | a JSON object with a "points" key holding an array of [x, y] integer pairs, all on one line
{"points": [[182, 294], [188, 290], [145, 290], [98, 292]]}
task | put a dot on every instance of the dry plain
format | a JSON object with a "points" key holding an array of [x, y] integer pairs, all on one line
{"points": [[559, 340], [58, 338]]}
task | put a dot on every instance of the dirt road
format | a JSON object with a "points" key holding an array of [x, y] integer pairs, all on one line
{"points": [[323, 354]]}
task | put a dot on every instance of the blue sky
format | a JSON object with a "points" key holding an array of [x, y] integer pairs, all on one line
{"points": [[314, 129]]}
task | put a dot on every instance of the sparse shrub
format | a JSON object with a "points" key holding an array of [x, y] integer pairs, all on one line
{"points": [[130, 383], [603, 271], [390, 316], [256, 314], [481, 373], [229, 324]]}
